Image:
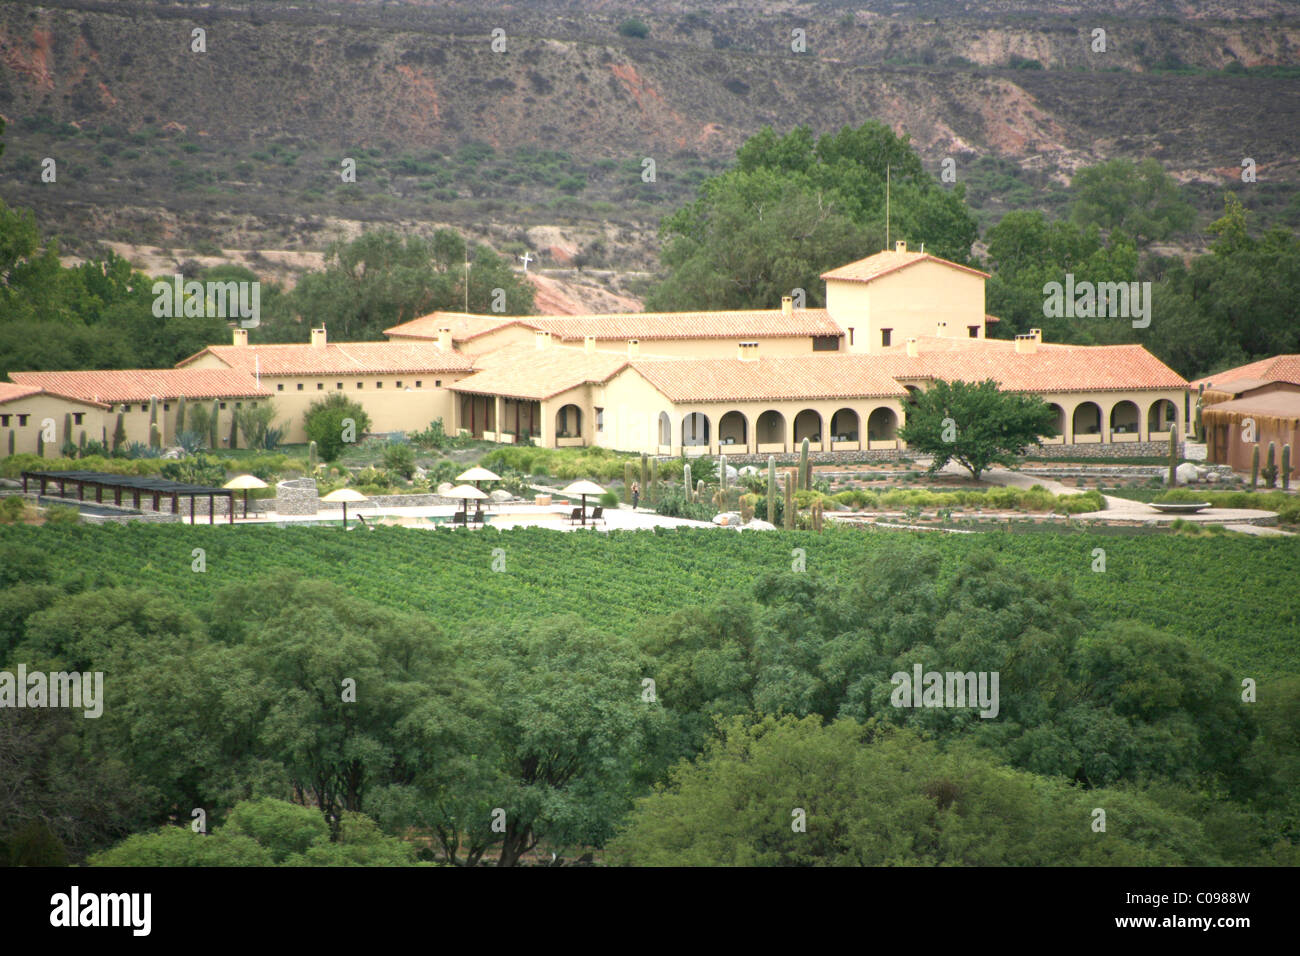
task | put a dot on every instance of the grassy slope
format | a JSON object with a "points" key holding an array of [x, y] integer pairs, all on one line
{"points": [[1235, 598]]}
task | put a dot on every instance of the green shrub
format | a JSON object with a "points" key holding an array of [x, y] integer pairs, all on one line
{"points": [[400, 457], [12, 509], [62, 515], [634, 28]]}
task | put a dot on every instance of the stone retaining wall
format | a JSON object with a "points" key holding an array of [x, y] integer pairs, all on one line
{"points": [[1145, 449]]}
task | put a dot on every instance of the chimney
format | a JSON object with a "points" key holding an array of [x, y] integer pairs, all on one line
{"points": [[900, 245], [941, 329], [318, 337], [1026, 344], [589, 343], [746, 351], [633, 348], [444, 339], [913, 349], [541, 339], [1037, 334], [787, 304], [241, 338]]}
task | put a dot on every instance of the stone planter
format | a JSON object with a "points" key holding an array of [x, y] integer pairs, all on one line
{"points": [[543, 500]]}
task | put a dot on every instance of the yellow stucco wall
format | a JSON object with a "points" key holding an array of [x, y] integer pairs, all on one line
{"points": [[40, 409], [710, 348], [910, 302], [390, 407]]}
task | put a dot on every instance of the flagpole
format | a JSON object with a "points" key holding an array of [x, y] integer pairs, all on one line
{"points": [[886, 206]]}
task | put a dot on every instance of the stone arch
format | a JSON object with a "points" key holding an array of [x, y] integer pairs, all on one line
{"points": [[695, 429], [845, 422]]}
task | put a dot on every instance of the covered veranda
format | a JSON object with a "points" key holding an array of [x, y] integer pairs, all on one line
{"points": [[137, 486]]}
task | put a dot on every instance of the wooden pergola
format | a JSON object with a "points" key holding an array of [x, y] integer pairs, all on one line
{"points": [[157, 488]]}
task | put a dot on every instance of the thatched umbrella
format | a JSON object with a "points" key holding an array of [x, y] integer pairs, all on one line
{"points": [[466, 492], [344, 495], [582, 489], [244, 483]]}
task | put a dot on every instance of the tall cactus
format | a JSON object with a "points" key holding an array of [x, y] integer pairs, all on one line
{"points": [[155, 436], [817, 511], [312, 456], [11, 442], [699, 491], [805, 470], [1269, 471], [1286, 467], [119, 433], [234, 431], [81, 442], [1199, 426], [628, 481], [771, 489], [180, 415], [67, 427], [645, 475], [722, 479], [789, 501], [1254, 467], [1173, 457], [654, 481], [213, 443], [686, 482]]}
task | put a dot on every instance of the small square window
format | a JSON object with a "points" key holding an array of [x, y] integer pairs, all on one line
{"points": [[300, 386], [4, 421], [76, 417], [379, 384], [360, 385], [223, 405], [974, 331], [279, 387], [399, 383], [417, 383], [239, 404], [167, 406], [320, 386], [437, 383], [338, 386], [144, 408], [22, 419]]}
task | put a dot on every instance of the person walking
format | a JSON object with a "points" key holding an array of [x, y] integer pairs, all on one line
{"points": [[636, 495]]}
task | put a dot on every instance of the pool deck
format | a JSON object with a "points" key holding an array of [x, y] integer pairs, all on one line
{"points": [[503, 517]]}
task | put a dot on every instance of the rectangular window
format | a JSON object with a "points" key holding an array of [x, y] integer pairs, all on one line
{"points": [[167, 406], [437, 383], [417, 383], [300, 386], [399, 383], [600, 419], [379, 384], [279, 386], [144, 408], [239, 404], [974, 331], [360, 385], [850, 336], [76, 417], [884, 336], [4, 421], [826, 343], [223, 405], [22, 419], [320, 386], [338, 386]]}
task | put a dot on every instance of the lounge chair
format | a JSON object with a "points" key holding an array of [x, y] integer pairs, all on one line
{"points": [[575, 516], [458, 518], [598, 514], [478, 516]]}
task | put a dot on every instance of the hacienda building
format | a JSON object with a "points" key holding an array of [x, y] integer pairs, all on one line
{"points": [[752, 382]]}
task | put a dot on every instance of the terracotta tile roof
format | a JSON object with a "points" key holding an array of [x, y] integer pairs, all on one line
{"points": [[1271, 405], [802, 377], [648, 326], [1053, 368], [9, 391], [464, 325], [883, 263], [525, 371], [139, 385], [372, 358], [1279, 368]]}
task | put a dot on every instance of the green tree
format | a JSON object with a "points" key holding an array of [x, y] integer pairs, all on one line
{"points": [[330, 420], [1139, 198], [975, 424]]}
